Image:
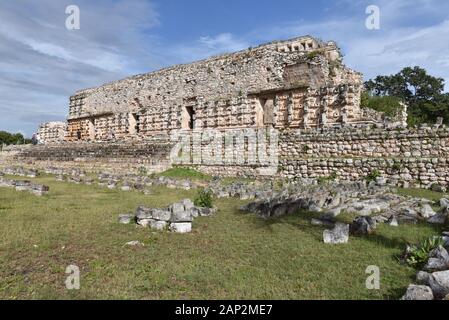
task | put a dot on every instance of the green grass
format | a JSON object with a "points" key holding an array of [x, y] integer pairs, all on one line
{"points": [[231, 255], [180, 172], [422, 193]]}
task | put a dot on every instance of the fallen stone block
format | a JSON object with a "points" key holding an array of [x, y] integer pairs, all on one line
{"points": [[181, 227], [439, 218], [144, 222], [161, 214], [158, 225], [418, 292], [362, 226], [339, 234], [205, 212], [126, 218], [182, 216], [134, 243], [439, 282], [438, 260]]}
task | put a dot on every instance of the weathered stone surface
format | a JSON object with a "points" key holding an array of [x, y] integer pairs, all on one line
{"points": [[188, 204], [181, 227], [339, 234], [134, 243], [161, 214], [158, 225], [51, 132], [423, 277], [126, 218], [426, 211], [439, 218], [144, 222], [418, 292], [203, 211], [393, 221], [177, 208], [439, 282], [362, 226], [182, 216], [438, 260], [322, 222]]}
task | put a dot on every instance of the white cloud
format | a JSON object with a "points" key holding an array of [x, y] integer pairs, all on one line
{"points": [[207, 46], [42, 63]]}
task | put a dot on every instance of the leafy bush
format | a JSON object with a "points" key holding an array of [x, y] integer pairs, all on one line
{"points": [[417, 255], [142, 171], [396, 167], [204, 199], [386, 104], [312, 55], [372, 176]]}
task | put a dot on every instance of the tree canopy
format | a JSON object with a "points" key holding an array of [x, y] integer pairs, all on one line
{"points": [[12, 138], [423, 93]]}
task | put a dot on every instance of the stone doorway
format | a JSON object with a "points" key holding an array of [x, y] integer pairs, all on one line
{"points": [[265, 112], [91, 128], [134, 120], [188, 118]]}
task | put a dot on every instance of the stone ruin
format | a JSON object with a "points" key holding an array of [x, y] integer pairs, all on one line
{"points": [[177, 217], [298, 83], [293, 99]]}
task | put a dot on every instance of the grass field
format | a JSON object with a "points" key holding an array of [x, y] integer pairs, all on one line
{"points": [[227, 256]]}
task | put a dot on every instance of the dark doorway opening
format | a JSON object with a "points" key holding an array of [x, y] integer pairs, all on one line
{"points": [[137, 119], [191, 117]]}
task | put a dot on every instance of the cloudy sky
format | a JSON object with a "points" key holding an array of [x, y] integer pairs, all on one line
{"points": [[42, 63]]}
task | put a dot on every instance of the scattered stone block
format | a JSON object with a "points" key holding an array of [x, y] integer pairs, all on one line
{"points": [[418, 292], [339, 234], [181, 227], [126, 218]]}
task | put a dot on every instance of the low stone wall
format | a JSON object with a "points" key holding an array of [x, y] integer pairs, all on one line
{"points": [[155, 153], [351, 142], [417, 157], [414, 172]]}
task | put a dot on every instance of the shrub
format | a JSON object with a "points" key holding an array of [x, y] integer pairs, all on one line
{"points": [[388, 105], [204, 199], [372, 176], [417, 255], [397, 167], [312, 55], [142, 171]]}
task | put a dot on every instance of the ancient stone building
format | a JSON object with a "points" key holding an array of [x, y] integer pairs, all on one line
{"points": [[51, 132], [298, 83]]}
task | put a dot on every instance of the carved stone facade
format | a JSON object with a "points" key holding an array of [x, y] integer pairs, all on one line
{"points": [[298, 83], [51, 132]]}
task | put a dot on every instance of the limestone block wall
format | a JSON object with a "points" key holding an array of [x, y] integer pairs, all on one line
{"points": [[413, 156], [359, 143], [152, 154]]}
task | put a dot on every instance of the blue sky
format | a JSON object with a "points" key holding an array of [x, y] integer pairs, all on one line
{"points": [[42, 63]]}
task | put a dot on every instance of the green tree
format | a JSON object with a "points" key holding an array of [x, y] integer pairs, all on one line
{"points": [[422, 92], [10, 138]]}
